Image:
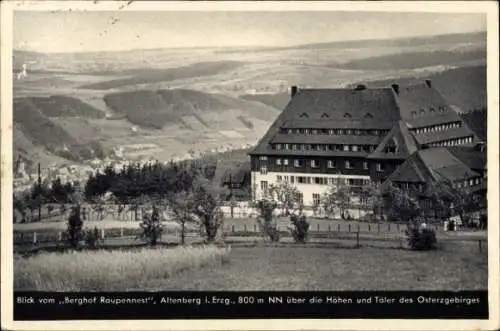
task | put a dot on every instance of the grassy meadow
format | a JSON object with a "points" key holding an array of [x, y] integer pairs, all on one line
{"points": [[110, 270]]}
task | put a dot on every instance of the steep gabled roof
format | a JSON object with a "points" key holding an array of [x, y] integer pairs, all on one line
{"points": [[401, 139], [410, 171], [421, 100], [373, 108], [473, 156], [434, 164], [342, 104]]}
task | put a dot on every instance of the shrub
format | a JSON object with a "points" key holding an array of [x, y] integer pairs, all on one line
{"points": [[152, 228], [74, 232], [300, 228], [265, 219], [420, 238], [92, 237]]}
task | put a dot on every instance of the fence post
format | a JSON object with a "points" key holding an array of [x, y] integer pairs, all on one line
{"points": [[480, 246], [338, 227], [60, 236], [102, 234], [388, 227], [349, 227], [255, 228], [34, 237], [369, 227], [329, 228], [378, 227], [317, 227], [121, 232], [232, 228], [245, 227], [357, 239]]}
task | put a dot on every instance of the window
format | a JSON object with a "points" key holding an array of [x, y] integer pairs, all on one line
{"points": [[348, 131], [278, 147], [369, 115], [304, 115], [263, 158], [331, 132], [285, 178], [314, 164], [346, 148], [285, 162], [287, 146], [279, 178], [341, 132], [297, 163], [294, 147], [263, 170], [413, 113], [301, 180], [301, 198], [354, 148], [292, 179], [263, 186], [278, 162], [314, 131], [365, 165], [357, 132], [316, 199], [303, 147], [348, 164], [347, 115], [307, 131], [290, 131], [380, 167], [331, 164]]}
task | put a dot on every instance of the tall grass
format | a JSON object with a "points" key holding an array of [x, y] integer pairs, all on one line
{"points": [[110, 270]]}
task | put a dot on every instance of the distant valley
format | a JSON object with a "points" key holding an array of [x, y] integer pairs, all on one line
{"points": [[71, 108]]}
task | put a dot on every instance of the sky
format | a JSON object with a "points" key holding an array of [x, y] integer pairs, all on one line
{"points": [[122, 30]]}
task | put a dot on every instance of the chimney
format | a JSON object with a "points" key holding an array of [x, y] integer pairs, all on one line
{"points": [[428, 83], [395, 87], [293, 90]]}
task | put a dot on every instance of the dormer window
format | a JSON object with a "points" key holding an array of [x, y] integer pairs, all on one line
{"points": [[347, 115], [369, 115], [434, 110], [306, 131], [413, 113], [324, 115], [441, 109], [422, 111], [304, 115], [278, 147], [290, 131]]}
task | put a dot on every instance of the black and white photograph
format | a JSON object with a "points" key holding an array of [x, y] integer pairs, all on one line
{"points": [[205, 160]]}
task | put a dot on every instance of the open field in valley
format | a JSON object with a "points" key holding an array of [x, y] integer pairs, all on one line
{"points": [[259, 267]]}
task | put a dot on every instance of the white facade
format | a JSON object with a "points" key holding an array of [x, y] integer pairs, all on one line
{"points": [[310, 190]]}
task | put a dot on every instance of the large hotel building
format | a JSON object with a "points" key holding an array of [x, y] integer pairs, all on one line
{"points": [[408, 135]]}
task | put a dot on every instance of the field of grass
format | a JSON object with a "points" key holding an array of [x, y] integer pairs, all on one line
{"points": [[308, 269], [110, 271]]}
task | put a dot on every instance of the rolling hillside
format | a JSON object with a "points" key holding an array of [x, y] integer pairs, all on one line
{"points": [[155, 109], [413, 60], [35, 128], [147, 76], [463, 87]]}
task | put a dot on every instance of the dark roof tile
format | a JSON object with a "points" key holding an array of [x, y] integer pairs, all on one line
{"points": [[436, 136]]}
